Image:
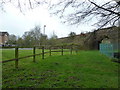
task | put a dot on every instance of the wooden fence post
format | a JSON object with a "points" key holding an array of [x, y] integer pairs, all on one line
{"points": [[43, 52], [33, 54], [16, 56], [50, 51], [71, 50], [62, 51]]}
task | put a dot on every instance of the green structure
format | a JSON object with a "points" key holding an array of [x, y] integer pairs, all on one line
{"points": [[110, 50]]}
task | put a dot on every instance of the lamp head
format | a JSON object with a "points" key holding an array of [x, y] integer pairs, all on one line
{"points": [[44, 25]]}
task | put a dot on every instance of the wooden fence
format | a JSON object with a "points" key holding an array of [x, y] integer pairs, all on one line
{"points": [[61, 49]]}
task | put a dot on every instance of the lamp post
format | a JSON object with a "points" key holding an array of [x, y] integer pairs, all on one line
{"points": [[44, 29], [44, 39]]}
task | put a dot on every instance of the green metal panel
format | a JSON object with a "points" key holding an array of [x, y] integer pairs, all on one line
{"points": [[107, 49], [110, 49]]}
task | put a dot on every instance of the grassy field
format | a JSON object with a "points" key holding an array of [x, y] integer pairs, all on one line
{"points": [[86, 69]]}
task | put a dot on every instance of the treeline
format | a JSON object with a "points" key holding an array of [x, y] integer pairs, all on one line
{"points": [[34, 37]]}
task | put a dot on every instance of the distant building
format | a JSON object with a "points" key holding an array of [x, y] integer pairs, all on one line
{"points": [[3, 38]]}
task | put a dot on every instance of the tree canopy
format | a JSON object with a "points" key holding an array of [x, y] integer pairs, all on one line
{"points": [[33, 37], [72, 35]]}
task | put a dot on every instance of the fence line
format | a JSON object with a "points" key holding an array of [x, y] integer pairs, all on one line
{"points": [[17, 58]]}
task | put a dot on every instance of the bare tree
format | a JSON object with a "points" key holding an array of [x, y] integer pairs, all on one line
{"points": [[107, 13], [75, 11], [23, 5]]}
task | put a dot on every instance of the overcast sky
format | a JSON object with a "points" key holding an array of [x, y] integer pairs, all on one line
{"points": [[14, 22]]}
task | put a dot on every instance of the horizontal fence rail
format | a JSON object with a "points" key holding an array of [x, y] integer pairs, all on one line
{"points": [[51, 49]]}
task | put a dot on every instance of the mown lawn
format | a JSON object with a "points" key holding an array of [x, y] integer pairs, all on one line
{"points": [[86, 69]]}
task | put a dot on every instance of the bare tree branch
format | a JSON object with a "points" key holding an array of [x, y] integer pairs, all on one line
{"points": [[30, 4], [105, 8], [80, 10], [106, 13]]}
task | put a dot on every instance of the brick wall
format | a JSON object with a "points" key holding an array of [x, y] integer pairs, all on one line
{"points": [[3, 39]]}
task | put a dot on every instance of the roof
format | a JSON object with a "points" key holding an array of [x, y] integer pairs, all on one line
{"points": [[3, 33]]}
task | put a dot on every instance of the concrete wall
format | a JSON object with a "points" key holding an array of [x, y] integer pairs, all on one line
{"points": [[92, 40], [95, 38]]}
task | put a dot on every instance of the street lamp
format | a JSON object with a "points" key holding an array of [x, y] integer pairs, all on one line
{"points": [[44, 29]]}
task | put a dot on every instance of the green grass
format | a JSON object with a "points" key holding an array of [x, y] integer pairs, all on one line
{"points": [[86, 69]]}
